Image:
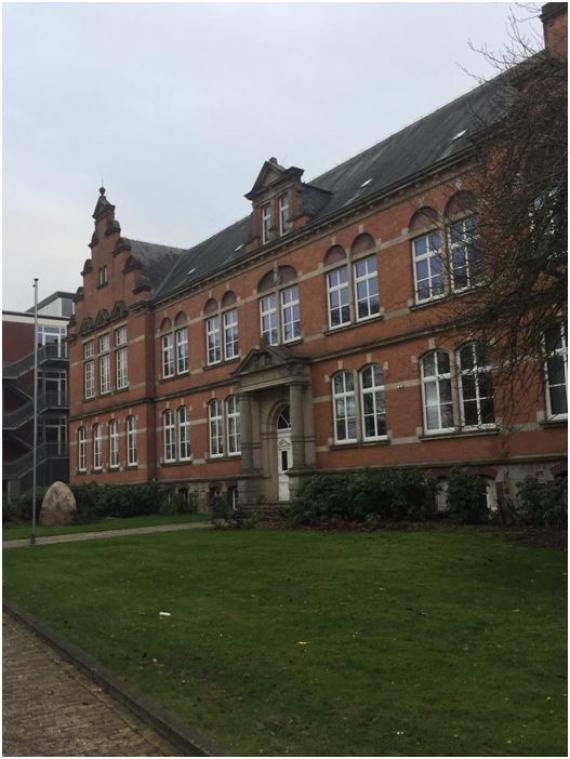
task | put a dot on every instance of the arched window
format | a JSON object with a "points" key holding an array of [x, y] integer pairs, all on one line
{"points": [[462, 203], [132, 455], [284, 419], [334, 255], [556, 371], [183, 422], [181, 341], [216, 427], [222, 330], [113, 444], [372, 402], [174, 346], [428, 266], [464, 253], [362, 243], [279, 311], [477, 405], [423, 219], [344, 407], [97, 447], [169, 432], [232, 424], [81, 449], [436, 391], [167, 348]]}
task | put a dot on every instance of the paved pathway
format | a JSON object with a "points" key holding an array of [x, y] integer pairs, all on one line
{"points": [[52, 709], [77, 536]]}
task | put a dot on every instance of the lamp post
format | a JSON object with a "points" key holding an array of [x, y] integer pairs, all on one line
{"points": [[35, 443]]}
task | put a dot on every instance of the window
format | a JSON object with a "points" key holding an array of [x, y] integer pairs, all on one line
{"points": [[132, 458], [167, 342], [231, 334], [169, 435], [214, 339], [97, 447], [284, 223], [268, 312], [428, 267], [266, 223], [372, 402], [103, 276], [232, 421], [121, 354], [464, 253], [436, 389], [344, 407], [366, 288], [89, 370], [104, 364], [182, 364], [290, 315], [113, 444], [215, 418], [477, 405], [183, 433], [82, 449], [556, 371], [338, 297]]}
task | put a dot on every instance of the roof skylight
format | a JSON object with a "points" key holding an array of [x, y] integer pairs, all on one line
{"points": [[366, 182], [458, 135]]}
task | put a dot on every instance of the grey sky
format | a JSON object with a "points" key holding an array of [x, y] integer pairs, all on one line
{"points": [[177, 107]]}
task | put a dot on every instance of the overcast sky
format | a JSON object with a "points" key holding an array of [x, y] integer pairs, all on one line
{"points": [[177, 106]]}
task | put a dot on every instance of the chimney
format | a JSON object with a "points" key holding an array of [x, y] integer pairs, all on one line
{"points": [[554, 17]]}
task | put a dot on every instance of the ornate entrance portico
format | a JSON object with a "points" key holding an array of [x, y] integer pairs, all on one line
{"points": [[277, 438]]}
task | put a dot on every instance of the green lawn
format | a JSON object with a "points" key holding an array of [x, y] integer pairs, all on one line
{"points": [[16, 532], [307, 643]]}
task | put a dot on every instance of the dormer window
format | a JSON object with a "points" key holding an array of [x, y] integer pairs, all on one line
{"points": [[284, 224], [266, 222]]}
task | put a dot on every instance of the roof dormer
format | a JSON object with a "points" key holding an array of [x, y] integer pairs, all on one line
{"points": [[277, 197]]}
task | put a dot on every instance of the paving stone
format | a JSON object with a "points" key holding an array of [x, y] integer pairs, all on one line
{"points": [[52, 709]]}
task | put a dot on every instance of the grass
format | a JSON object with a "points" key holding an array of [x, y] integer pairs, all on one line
{"points": [[19, 531], [307, 643]]}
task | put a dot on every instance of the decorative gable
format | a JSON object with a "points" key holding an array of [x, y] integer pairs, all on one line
{"points": [[267, 357]]}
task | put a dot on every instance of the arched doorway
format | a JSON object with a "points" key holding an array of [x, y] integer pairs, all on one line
{"points": [[284, 453]]}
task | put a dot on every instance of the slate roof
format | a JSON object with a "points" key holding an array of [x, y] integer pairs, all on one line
{"points": [[441, 136], [156, 260]]}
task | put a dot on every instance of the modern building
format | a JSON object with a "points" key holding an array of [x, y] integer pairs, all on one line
{"points": [[54, 313], [302, 339]]}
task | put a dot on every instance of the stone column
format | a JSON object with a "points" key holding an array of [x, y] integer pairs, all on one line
{"points": [[297, 393], [246, 440]]}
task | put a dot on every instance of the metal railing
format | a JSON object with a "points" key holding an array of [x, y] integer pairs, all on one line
{"points": [[13, 469], [49, 352], [13, 420]]}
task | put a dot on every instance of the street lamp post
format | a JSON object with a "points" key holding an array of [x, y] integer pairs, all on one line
{"points": [[35, 443]]}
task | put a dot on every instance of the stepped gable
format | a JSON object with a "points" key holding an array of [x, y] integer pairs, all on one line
{"points": [[155, 260], [442, 136]]}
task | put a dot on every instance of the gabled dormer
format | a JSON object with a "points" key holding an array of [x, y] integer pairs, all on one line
{"points": [[278, 198]]}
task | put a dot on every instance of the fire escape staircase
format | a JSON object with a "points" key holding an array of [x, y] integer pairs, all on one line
{"points": [[17, 369], [13, 420], [23, 465]]}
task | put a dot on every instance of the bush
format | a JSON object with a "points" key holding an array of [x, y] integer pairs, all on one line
{"points": [[467, 497], [543, 504], [20, 508], [365, 496]]}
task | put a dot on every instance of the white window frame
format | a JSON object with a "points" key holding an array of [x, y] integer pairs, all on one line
{"points": [[183, 432], [97, 448], [427, 256], [105, 374], [167, 353], [284, 222], [366, 278], [288, 310], [216, 428], [271, 313], [475, 373], [265, 222], [82, 449], [214, 349], [377, 393], [233, 425], [122, 360], [132, 453], [182, 356], [231, 333], [113, 444], [169, 435], [89, 379], [89, 349], [436, 378], [558, 352], [344, 396], [464, 243], [338, 287]]}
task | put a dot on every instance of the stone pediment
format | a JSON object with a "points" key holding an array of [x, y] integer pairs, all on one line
{"points": [[271, 175], [268, 357]]}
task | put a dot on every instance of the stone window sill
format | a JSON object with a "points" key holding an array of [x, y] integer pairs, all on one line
{"points": [[225, 457], [353, 325], [359, 444], [178, 462], [458, 434], [225, 362], [553, 423]]}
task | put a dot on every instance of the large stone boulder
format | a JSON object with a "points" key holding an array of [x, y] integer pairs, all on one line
{"points": [[58, 505]]}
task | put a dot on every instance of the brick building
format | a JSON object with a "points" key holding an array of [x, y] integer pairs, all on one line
{"points": [[18, 387], [304, 337]]}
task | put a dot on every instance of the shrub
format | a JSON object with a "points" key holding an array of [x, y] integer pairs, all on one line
{"points": [[543, 504], [20, 508], [365, 496], [467, 497]]}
